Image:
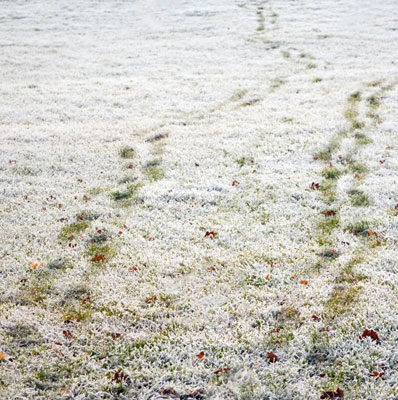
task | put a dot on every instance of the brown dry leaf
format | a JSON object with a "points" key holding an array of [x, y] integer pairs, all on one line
{"points": [[98, 258], [272, 356], [2, 356], [200, 355], [211, 234], [303, 282], [221, 370]]}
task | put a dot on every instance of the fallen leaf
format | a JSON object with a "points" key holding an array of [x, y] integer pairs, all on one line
{"points": [[119, 376], [303, 282], [151, 239], [133, 269], [235, 183], [315, 318], [59, 205], [315, 186], [370, 333], [116, 335], [272, 357], [98, 258], [86, 300], [339, 393], [68, 334], [210, 233], [356, 176], [267, 277], [33, 265], [2, 356], [221, 370], [329, 213], [382, 161], [388, 148], [200, 355], [371, 233], [376, 374]]}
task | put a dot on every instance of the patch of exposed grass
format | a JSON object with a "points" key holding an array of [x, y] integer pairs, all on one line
{"points": [[260, 19], [328, 225], [127, 152], [87, 216], [99, 254], [360, 228], [359, 198], [242, 161], [355, 97], [359, 168], [155, 173], [331, 173], [317, 80], [362, 139], [357, 124], [285, 54], [77, 313], [311, 66], [349, 276], [71, 231], [342, 300], [130, 192], [373, 101]]}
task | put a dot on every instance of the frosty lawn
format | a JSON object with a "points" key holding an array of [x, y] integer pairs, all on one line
{"points": [[199, 200]]}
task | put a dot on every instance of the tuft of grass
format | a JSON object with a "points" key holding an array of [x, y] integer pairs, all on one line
{"points": [[360, 228], [127, 152], [362, 139], [358, 198], [351, 113], [311, 66], [349, 276], [99, 253], [69, 232], [130, 192], [77, 314], [359, 168], [87, 216], [357, 124], [155, 173], [331, 173], [285, 54], [328, 225], [373, 101], [242, 161], [355, 97], [317, 80]]}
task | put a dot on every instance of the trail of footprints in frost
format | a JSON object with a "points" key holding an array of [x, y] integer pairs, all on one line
{"points": [[345, 295]]}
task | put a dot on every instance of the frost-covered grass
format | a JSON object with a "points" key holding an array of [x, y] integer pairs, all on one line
{"points": [[198, 200]]}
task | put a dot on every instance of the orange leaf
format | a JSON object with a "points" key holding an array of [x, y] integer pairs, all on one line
{"points": [[356, 176], [267, 277], [33, 265], [2, 356], [303, 282], [200, 355], [371, 233]]}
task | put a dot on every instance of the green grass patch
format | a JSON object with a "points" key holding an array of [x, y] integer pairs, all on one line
{"points": [[155, 173], [373, 101], [342, 300], [331, 173], [355, 97], [359, 228], [359, 198], [359, 168], [130, 192], [71, 231], [99, 253], [328, 225], [127, 152], [317, 80], [357, 124], [362, 139]]}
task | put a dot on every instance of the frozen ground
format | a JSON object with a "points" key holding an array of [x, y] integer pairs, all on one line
{"points": [[198, 199]]}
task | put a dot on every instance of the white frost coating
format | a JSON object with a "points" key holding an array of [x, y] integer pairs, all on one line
{"points": [[235, 99]]}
